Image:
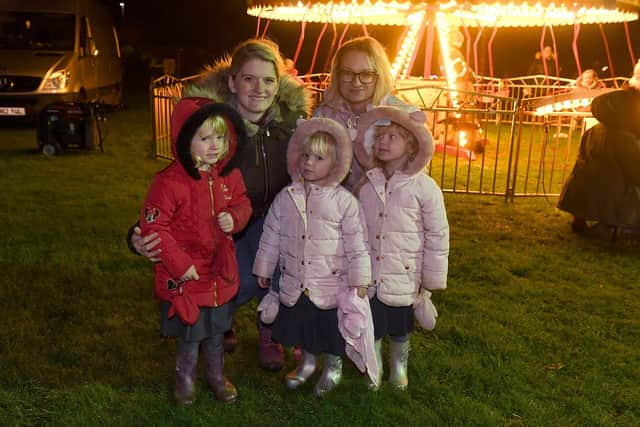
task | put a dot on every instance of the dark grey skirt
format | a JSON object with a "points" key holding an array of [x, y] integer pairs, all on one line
{"points": [[389, 320], [212, 321], [306, 326]]}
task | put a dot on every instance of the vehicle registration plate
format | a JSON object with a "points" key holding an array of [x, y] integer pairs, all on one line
{"points": [[12, 111]]}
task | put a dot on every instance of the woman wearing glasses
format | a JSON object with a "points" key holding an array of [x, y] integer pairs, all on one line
{"points": [[360, 78]]}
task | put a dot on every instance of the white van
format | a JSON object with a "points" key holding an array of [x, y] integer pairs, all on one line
{"points": [[56, 50]]}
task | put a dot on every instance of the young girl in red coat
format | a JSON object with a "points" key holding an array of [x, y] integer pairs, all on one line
{"points": [[195, 205]]}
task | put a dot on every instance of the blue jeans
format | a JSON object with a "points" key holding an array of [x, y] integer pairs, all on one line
{"points": [[247, 243]]}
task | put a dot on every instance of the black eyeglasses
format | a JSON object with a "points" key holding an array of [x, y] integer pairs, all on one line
{"points": [[365, 77]]}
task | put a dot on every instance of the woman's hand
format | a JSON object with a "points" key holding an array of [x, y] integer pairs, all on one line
{"points": [[145, 246], [362, 292], [190, 274], [225, 221]]}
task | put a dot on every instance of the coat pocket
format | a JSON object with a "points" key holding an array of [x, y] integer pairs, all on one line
{"points": [[226, 264]]}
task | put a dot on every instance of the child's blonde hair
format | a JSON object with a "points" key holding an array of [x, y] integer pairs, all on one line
{"points": [[219, 125], [321, 144], [412, 142]]}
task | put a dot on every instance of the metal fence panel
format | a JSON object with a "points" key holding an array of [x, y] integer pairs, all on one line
{"points": [[491, 143]]}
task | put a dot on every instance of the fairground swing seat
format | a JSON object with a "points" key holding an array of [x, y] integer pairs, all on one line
{"points": [[493, 136]]}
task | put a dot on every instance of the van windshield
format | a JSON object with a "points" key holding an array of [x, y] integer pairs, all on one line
{"points": [[36, 30]]}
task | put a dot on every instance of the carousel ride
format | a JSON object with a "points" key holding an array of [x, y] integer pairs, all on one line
{"points": [[424, 18], [456, 26]]}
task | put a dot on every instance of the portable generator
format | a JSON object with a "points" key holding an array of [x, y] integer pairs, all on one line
{"points": [[67, 125]]}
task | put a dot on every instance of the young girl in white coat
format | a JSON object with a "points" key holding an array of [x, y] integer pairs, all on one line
{"points": [[315, 232], [407, 225]]}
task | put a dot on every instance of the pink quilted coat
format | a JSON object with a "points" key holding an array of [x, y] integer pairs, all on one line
{"points": [[405, 215], [318, 239], [340, 111]]}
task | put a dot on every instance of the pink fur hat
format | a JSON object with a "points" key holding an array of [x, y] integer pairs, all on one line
{"points": [[413, 121], [306, 128]]}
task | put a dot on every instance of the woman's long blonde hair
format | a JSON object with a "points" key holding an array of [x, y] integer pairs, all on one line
{"points": [[378, 61]]}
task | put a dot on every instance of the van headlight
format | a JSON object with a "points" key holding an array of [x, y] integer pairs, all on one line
{"points": [[57, 80]]}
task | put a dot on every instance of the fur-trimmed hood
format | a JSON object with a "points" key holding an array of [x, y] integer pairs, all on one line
{"points": [[413, 121], [188, 115], [305, 129], [214, 84]]}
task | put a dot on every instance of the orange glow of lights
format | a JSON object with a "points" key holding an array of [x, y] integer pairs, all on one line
{"points": [[562, 106], [400, 67], [445, 48], [462, 138], [488, 14], [525, 15], [354, 12]]}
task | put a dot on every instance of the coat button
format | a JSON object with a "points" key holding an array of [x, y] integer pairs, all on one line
{"points": [[406, 267], [334, 272], [377, 236], [302, 262], [377, 258], [380, 214], [375, 281], [303, 237]]}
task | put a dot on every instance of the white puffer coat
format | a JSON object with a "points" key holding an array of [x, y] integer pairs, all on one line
{"points": [[405, 216], [319, 239]]}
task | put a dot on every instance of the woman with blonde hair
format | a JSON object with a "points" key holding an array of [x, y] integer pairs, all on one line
{"points": [[360, 78]]}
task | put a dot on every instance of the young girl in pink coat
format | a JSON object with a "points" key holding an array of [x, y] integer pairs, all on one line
{"points": [[407, 225], [314, 231]]}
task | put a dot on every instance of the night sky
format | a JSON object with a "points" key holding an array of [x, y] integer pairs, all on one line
{"points": [[197, 32]]}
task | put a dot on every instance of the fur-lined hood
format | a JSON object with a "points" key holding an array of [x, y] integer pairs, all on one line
{"points": [[343, 148], [188, 115], [414, 122], [214, 84]]}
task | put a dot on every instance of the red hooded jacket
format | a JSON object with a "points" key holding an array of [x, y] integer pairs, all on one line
{"points": [[182, 206]]}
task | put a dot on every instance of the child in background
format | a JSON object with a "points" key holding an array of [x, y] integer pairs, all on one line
{"points": [[195, 205], [407, 224], [314, 230]]}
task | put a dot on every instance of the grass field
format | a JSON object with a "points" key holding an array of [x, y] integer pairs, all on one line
{"points": [[539, 327]]}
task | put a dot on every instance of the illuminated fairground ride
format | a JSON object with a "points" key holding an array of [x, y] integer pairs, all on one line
{"points": [[511, 137], [422, 18], [522, 132]]}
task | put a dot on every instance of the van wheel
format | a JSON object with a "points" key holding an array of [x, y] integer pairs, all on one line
{"points": [[49, 150]]}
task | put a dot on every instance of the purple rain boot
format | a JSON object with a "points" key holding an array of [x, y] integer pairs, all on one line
{"points": [[186, 369], [270, 354], [223, 389]]}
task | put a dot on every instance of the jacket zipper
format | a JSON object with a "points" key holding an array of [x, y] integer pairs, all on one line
{"points": [[266, 166], [213, 216]]}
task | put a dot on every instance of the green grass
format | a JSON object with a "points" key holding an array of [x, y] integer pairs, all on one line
{"points": [[538, 326]]}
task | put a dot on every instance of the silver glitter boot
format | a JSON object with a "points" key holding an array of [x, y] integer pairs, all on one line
{"points": [[398, 362], [377, 347], [301, 374], [331, 375]]}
